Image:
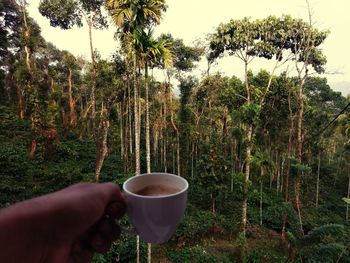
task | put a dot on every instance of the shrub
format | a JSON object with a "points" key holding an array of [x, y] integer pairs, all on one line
{"points": [[195, 254]]}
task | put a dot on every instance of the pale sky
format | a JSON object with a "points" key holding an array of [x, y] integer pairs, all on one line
{"points": [[191, 20]]}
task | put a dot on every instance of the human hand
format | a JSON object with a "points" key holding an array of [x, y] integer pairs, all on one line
{"points": [[65, 226]]}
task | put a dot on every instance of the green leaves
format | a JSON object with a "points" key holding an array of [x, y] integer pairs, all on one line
{"points": [[324, 244], [249, 113], [346, 200], [128, 15], [61, 13], [68, 13], [267, 38]]}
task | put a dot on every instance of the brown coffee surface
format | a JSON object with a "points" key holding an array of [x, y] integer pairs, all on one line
{"points": [[157, 189]]}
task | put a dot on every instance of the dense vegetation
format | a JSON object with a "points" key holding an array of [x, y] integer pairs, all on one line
{"points": [[267, 182]]}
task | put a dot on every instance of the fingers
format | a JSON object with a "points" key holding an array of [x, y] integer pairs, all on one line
{"points": [[81, 253], [116, 210], [112, 192], [106, 232]]}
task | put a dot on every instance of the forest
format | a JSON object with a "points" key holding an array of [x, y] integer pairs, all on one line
{"points": [[267, 157]]}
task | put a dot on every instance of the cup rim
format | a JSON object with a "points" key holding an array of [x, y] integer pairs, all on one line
{"points": [[156, 196]]}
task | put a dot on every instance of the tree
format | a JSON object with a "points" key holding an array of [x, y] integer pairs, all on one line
{"points": [[153, 52], [68, 13], [71, 64], [10, 39], [304, 45], [246, 40], [264, 163], [132, 17]]}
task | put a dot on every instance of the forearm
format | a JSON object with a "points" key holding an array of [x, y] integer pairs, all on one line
{"points": [[19, 230]]}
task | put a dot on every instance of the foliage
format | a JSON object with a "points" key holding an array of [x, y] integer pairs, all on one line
{"points": [[195, 224], [256, 255], [195, 254], [211, 115], [68, 13], [326, 243], [123, 251]]}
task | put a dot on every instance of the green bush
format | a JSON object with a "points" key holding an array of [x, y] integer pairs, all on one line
{"points": [[327, 243], [123, 251], [195, 254], [257, 255], [195, 223]]}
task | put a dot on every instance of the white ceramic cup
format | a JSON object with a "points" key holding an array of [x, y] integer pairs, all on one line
{"points": [[155, 218]]}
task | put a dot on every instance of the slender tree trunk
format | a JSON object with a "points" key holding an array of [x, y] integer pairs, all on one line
{"points": [[148, 147], [26, 32], [137, 142], [176, 132], [165, 137], [136, 121], [300, 149], [130, 119], [192, 160], [178, 153], [261, 198], [348, 196], [20, 102], [278, 171], [290, 154], [248, 158], [94, 77], [318, 178], [173, 156], [102, 149], [155, 140], [246, 178], [122, 143], [282, 173], [72, 113]]}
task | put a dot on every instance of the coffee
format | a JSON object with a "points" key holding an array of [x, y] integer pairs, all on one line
{"points": [[157, 189]]}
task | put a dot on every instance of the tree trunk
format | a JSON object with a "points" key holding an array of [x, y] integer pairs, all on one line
{"points": [[101, 149], [300, 149], [290, 154], [278, 171], [261, 199], [26, 32], [155, 140], [248, 158], [122, 140], [246, 178], [348, 196], [165, 137], [178, 153], [137, 142], [136, 122], [94, 77], [72, 113], [148, 147], [20, 103], [192, 160], [318, 178], [176, 131]]}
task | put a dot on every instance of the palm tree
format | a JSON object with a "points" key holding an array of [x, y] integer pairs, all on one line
{"points": [[129, 15], [263, 161], [132, 17], [153, 53]]}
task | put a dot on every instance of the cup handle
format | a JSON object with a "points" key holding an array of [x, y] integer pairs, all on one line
{"points": [[128, 231]]}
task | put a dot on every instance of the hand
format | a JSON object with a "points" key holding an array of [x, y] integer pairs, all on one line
{"points": [[65, 226]]}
